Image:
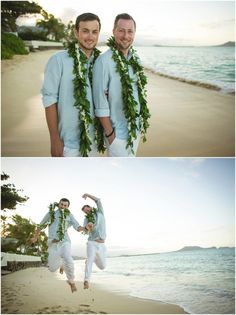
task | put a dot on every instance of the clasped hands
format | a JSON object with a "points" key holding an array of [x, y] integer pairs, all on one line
{"points": [[89, 226]]}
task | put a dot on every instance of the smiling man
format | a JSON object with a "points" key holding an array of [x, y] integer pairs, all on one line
{"points": [[119, 91], [67, 94], [58, 220]]}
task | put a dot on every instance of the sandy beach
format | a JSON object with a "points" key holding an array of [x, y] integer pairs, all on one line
{"points": [[37, 291], [187, 120]]}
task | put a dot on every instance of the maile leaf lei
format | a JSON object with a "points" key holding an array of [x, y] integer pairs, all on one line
{"points": [[63, 214], [130, 104], [91, 216], [81, 102]]}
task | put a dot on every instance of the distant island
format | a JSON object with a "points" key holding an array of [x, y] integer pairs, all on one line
{"points": [[227, 44], [189, 248]]}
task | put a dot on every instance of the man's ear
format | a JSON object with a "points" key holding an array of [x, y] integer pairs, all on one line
{"points": [[76, 33]]}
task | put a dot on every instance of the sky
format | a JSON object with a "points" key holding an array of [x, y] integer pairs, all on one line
{"points": [[158, 22], [150, 204]]}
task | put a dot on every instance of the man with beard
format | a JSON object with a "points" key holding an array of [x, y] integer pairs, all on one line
{"points": [[67, 94], [119, 91], [95, 225]]}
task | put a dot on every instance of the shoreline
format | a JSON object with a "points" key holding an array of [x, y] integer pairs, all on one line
{"points": [[37, 291], [186, 119], [191, 82]]}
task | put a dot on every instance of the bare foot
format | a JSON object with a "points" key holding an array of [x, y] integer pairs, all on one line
{"points": [[86, 284], [61, 270], [72, 286]]}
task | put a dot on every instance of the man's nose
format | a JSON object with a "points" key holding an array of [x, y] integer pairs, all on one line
{"points": [[90, 35], [125, 34]]}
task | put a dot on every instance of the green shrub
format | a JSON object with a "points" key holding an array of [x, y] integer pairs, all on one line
{"points": [[12, 45], [6, 53]]}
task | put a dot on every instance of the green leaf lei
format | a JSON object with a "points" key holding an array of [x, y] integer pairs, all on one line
{"points": [[81, 101], [91, 216], [130, 105], [63, 215]]}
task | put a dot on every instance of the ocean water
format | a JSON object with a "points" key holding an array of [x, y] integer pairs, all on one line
{"points": [[201, 281], [214, 66], [207, 65]]}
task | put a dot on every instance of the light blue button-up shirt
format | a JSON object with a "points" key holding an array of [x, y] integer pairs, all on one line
{"points": [[58, 88], [105, 78], [53, 228], [99, 228]]}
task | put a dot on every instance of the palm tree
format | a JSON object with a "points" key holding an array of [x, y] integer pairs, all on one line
{"points": [[54, 27]]}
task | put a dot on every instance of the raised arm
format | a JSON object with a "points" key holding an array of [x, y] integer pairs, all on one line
{"points": [[90, 196], [95, 199]]}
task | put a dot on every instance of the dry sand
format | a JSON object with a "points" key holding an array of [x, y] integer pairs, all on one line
{"points": [[37, 291], [187, 120]]}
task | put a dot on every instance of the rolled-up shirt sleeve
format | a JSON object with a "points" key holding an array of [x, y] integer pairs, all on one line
{"points": [[100, 88], [74, 222], [51, 84], [85, 222], [99, 206], [45, 221]]}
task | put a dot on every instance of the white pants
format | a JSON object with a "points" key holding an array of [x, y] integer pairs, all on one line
{"points": [[67, 152], [60, 255], [96, 252], [118, 148]]}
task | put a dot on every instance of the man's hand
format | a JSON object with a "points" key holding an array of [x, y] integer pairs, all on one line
{"points": [[85, 196], [36, 236], [33, 239], [57, 147], [89, 226], [111, 138], [89, 196]]}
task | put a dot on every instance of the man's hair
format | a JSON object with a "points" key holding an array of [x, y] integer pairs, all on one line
{"points": [[65, 200], [86, 17], [85, 207], [124, 16]]}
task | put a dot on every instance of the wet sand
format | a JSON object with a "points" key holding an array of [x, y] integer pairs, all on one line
{"points": [[37, 291]]}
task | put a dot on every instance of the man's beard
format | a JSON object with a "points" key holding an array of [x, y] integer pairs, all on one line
{"points": [[126, 47]]}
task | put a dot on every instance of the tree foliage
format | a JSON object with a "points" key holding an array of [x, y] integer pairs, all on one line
{"points": [[10, 196], [22, 229], [69, 32], [11, 10], [16, 234], [52, 26]]}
